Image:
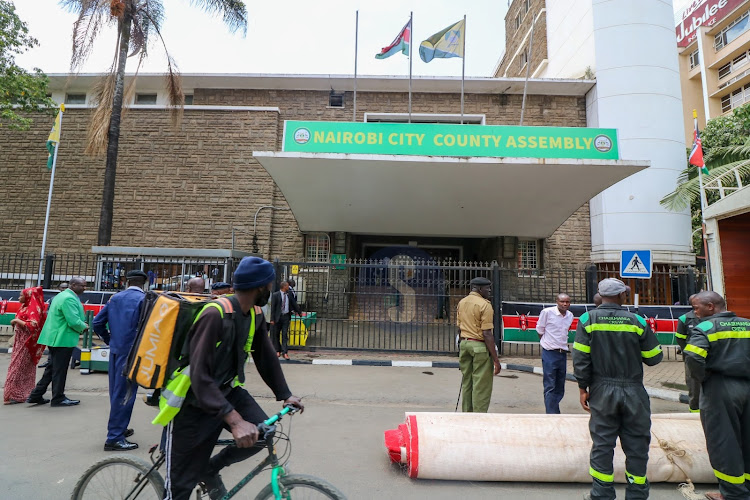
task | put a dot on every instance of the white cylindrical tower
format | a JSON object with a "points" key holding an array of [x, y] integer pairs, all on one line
{"points": [[638, 93]]}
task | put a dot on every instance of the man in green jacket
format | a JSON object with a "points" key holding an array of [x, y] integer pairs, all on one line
{"points": [[64, 325]]}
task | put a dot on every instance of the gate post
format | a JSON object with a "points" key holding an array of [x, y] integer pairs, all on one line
{"points": [[277, 270], [497, 305], [591, 283], [691, 282], [682, 287], [49, 264]]}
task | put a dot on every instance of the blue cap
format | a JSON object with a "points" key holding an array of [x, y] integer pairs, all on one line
{"points": [[253, 272], [220, 285]]}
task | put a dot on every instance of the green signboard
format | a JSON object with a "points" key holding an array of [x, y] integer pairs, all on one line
{"points": [[435, 139]]}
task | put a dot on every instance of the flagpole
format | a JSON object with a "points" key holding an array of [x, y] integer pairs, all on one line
{"points": [[703, 209], [463, 70], [356, 42], [528, 68], [411, 51], [49, 202]]}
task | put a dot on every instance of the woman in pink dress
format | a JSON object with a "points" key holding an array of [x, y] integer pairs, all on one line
{"points": [[26, 352]]}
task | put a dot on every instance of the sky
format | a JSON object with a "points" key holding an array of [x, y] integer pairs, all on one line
{"points": [[286, 36]]}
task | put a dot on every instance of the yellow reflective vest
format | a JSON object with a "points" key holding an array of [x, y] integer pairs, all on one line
{"points": [[173, 395]]}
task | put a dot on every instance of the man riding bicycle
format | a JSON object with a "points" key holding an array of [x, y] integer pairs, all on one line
{"points": [[218, 349]]}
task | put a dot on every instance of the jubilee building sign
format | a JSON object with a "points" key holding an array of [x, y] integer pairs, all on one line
{"points": [[431, 139]]}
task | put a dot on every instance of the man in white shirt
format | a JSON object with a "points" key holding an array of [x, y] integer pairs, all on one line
{"points": [[552, 327]]}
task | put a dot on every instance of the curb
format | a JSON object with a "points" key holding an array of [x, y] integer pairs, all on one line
{"points": [[654, 392]]}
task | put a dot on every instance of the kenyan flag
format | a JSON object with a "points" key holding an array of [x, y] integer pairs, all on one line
{"points": [[402, 43]]}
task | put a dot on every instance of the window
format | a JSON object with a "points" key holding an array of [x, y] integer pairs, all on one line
{"points": [[188, 99], [145, 98], [336, 99], [739, 61], [735, 99], [317, 247], [736, 64], [725, 70], [694, 59], [519, 18], [423, 118], [524, 58], [731, 32], [726, 103], [527, 5], [528, 254], [75, 98]]}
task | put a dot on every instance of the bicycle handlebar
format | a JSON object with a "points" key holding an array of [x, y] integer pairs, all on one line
{"points": [[264, 427]]}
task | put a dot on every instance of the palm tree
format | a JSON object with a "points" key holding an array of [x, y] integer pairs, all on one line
{"points": [[138, 22], [724, 160]]}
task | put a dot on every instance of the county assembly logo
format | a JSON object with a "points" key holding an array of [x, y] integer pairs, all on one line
{"points": [[301, 136], [603, 144]]}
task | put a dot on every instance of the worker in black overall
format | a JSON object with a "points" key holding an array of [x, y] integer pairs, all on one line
{"points": [[718, 354], [685, 324], [611, 345]]}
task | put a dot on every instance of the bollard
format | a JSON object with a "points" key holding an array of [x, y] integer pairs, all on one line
{"points": [[49, 265]]}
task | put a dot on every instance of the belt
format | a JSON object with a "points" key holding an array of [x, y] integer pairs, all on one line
{"points": [[565, 351], [473, 340]]}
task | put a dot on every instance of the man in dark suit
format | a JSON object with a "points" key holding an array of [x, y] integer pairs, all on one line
{"points": [[283, 304], [117, 324]]}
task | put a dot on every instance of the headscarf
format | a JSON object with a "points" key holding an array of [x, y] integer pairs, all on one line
{"points": [[33, 313]]}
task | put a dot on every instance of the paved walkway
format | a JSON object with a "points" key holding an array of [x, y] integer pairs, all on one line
{"points": [[665, 380]]}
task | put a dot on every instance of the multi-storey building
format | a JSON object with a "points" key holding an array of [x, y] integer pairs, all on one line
{"points": [[627, 47]]}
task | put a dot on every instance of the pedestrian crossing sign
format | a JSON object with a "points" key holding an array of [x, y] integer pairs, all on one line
{"points": [[635, 264]]}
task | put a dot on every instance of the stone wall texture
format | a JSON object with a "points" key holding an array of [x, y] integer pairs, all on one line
{"points": [[518, 37], [188, 186]]}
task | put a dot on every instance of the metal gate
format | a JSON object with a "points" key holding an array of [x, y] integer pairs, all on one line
{"points": [[405, 304], [397, 304]]}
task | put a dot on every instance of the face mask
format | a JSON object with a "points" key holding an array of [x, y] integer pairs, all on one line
{"points": [[263, 298]]}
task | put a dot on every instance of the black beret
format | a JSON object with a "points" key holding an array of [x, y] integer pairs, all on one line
{"points": [[136, 273], [479, 281], [220, 285]]}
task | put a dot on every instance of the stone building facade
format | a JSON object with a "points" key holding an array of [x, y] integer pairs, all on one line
{"points": [[189, 186], [522, 50]]}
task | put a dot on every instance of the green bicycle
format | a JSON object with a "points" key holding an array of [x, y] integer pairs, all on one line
{"points": [[128, 478]]}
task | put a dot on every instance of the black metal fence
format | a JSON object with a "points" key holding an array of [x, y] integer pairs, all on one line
{"points": [[108, 272], [18, 271], [397, 304], [401, 304]]}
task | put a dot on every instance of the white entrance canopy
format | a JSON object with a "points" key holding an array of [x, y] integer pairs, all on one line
{"points": [[438, 196]]}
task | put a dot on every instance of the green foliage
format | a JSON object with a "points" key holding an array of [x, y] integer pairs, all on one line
{"points": [[726, 146], [20, 91]]}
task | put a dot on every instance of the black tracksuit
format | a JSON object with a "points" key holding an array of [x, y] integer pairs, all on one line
{"points": [[718, 354], [611, 345], [216, 357], [685, 324]]}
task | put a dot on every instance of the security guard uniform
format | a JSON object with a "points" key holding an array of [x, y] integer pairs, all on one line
{"points": [[718, 354], [611, 345], [474, 315], [685, 323]]}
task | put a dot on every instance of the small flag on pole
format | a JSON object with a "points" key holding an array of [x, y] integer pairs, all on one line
{"points": [[402, 43], [445, 43], [696, 154], [53, 140]]}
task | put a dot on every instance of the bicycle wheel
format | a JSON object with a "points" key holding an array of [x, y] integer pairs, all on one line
{"points": [[117, 478], [303, 487]]}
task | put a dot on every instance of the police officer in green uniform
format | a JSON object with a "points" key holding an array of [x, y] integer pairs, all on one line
{"points": [[685, 323], [477, 352], [611, 345], [718, 353]]}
